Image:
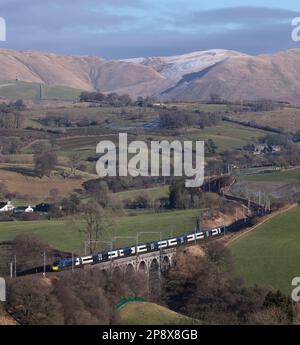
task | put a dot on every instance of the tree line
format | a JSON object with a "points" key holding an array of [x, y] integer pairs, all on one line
{"points": [[175, 118], [10, 114], [114, 99], [65, 120]]}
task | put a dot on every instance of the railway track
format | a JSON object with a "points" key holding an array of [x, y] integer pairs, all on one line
{"points": [[234, 227], [263, 220]]}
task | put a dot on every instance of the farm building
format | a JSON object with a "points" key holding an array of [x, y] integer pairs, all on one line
{"points": [[23, 209], [6, 206]]}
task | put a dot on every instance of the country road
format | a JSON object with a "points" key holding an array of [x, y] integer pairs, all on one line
{"points": [[4, 85]]}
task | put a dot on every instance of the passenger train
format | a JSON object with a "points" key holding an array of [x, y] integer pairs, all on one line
{"points": [[135, 250]]}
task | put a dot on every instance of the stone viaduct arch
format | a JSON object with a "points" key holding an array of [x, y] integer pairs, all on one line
{"points": [[149, 263]]}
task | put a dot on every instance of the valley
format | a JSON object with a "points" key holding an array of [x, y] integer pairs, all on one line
{"points": [[48, 164]]}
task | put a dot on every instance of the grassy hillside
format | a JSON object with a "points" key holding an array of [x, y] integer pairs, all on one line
{"points": [[31, 91], [227, 136], [200, 106], [21, 179], [271, 254], [292, 175], [143, 313], [285, 118], [64, 234], [153, 193]]}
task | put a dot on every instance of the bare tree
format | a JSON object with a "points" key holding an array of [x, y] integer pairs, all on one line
{"points": [[96, 223], [3, 190], [53, 143], [44, 163], [54, 196], [74, 162]]}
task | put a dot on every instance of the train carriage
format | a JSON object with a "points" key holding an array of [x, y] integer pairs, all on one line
{"points": [[135, 250]]}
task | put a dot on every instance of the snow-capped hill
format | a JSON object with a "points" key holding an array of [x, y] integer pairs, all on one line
{"points": [[174, 67]]}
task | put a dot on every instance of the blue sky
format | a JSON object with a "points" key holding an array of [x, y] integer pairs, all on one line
{"points": [[128, 28]]}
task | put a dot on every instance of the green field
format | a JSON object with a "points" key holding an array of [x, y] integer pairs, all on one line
{"points": [[152, 193], [116, 117], [292, 175], [65, 234], [286, 118], [144, 313], [271, 254], [226, 136], [200, 106], [31, 91]]}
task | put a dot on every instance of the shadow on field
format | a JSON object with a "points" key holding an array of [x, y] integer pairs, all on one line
{"points": [[21, 170]]}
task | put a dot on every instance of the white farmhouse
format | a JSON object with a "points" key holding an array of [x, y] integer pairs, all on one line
{"points": [[29, 209], [23, 209], [6, 206]]}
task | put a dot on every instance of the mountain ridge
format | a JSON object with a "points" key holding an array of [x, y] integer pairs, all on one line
{"points": [[178, 65], [193, 76], [82, 72]]}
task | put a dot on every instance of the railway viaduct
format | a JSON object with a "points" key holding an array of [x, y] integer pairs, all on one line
{"points": [[159, 262]]}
